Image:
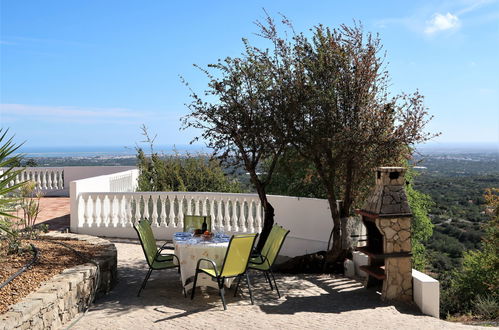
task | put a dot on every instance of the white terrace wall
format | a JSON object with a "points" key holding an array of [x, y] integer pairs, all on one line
{"points": [[309, 221], [54, 181]]}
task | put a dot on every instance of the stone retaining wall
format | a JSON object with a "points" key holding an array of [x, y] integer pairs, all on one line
{"points": [[60, 299]]}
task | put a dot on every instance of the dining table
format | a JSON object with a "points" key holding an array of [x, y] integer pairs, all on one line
{"points": [[189, 249]]}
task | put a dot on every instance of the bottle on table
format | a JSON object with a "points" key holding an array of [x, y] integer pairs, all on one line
{"points": [[204, 226]]}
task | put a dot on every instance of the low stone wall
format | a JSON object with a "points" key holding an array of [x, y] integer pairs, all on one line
{"points": [[60, 299]]}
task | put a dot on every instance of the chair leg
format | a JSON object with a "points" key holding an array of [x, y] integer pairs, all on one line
{"points": [[249, 288], [143, 286], [237, 285], [275, 283], [268, 280], [221, 291], [194, 284]]}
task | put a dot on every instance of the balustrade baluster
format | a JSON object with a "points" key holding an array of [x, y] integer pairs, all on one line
{"points": [[60, 175], [89, 211], [204, 211], [138, 216], [251, 225], [227, 223], [258, 217], [196, 206], [180, 215], [128, 215], [104, 211], [242, 217], [97, 208], [44, 179], [162, 213], [220, 217], [214, 222], [49, 179], [114, 211], [234, 215], [171, 215], [81, 211], [189, 204], [55, 182], [154, 215]]}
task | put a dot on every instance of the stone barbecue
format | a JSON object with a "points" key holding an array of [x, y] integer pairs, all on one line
{"points": [[387, 217]]}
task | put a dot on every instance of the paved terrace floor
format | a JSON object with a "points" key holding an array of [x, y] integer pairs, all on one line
{"points": [[309, 301]]}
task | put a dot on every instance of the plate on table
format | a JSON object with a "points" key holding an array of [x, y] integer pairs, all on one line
{"points": [[182, 234]]}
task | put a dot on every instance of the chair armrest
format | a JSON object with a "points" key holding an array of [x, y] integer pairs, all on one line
{"points": [[210, 261], [262, 260], [164, 247]]}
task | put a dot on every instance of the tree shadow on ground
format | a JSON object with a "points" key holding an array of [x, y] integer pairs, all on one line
{"points": [[164, 295], [57, 224], [339, 294]]}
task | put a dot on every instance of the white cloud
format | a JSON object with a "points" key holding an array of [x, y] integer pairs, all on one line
{"points": [[441, 22]]}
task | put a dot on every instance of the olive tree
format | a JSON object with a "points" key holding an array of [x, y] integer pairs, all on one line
{"points": [[340, 114], [238, 114]]}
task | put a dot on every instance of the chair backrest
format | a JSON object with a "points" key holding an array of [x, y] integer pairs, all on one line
{"points": [[147, 240], [196, 221], [238, 253], [274, 243]]}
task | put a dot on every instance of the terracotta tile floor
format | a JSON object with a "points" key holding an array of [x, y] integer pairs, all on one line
{"points": [[54, 211]]}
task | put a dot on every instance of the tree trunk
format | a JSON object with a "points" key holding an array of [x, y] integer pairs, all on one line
{"points": [[335, 250], [268, 209], [268, 222]]}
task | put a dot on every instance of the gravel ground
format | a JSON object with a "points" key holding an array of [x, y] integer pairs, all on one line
{"points": [[53, 259], [309, 301]]}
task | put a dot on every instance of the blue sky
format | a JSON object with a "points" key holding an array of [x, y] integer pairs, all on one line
{"points": [[76, 73]]}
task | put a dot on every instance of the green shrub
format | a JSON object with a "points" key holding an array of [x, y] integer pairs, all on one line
{"points": [[475, 286], [487, 306]]}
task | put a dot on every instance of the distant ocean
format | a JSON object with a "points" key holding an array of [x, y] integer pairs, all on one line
{"points": [[105, 151], [124, 151]]}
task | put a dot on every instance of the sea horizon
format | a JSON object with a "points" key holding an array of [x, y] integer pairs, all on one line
{"points": [[124, 151], [104, 151]]}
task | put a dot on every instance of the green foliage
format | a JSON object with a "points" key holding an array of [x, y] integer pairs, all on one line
{"points": [[456, 183], [7, 203], [295, 176], [182, 173], [29, 203], [487, 306], [422, 227], [31, 163], [475, 287]]}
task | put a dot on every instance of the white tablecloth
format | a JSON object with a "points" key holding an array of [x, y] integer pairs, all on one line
{"points": [[189, 251]]}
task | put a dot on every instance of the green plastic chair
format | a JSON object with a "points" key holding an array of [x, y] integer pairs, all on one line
{"points": [[154, 258], [196, 221], [235, 264], [270, 251]]}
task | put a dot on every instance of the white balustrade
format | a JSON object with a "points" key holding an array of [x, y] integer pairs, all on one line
{"points": [[98, 210], [167, 209], [46, 178]]}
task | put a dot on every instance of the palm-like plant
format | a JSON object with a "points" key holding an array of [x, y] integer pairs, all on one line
{"points": [[8, 174]]}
